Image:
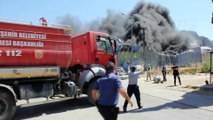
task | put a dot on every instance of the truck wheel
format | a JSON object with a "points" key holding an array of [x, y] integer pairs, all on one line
{"points": [[7, 105], [89, 94]]}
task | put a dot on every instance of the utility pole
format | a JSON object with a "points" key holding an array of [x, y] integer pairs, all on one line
{"points": [[143, 44], [212, 19], [211, 58], [131, 35], [212, 16]]}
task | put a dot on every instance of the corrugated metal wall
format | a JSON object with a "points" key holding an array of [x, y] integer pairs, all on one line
{"points": [[146, 56]]}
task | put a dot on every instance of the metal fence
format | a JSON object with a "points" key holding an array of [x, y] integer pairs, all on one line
{"points": [[146, 56]]}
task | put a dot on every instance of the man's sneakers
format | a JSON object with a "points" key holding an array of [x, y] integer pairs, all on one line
{"points": [[124, 108], [140, 107]]}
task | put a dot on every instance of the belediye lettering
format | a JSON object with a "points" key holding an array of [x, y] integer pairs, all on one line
{"points": [[22, 35], [32, 35]]}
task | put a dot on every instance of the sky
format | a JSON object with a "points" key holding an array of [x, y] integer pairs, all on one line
{"points": [[194, 15]]}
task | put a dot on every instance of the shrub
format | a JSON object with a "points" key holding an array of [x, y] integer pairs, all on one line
{"points": [[205, 68], [202, 68]]}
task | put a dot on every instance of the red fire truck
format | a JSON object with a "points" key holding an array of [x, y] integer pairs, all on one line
{"points": [[41, 61]]}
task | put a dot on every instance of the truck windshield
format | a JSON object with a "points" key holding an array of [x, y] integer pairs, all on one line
{"points": [[103, 43]]}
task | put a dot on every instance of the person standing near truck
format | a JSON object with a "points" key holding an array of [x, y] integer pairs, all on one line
{"points": [[106, 91], [126, 66]]}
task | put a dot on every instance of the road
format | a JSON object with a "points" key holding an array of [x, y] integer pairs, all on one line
{"points": [[159, 104]]}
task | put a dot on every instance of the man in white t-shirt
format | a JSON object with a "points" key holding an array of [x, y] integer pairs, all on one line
{"points": [[133, 88]]}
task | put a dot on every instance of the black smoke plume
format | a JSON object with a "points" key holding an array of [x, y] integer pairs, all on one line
{"points": [[148, 25]]}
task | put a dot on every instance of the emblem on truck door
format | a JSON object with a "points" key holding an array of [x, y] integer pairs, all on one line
{"points": [[38, 54]]}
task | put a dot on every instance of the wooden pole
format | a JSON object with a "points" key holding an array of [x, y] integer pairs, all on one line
{"points": [[210, 67]]}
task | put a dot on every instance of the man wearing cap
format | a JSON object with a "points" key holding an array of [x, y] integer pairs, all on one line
{"points": [[106, 93]]}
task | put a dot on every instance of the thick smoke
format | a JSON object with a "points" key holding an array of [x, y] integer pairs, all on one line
{"points": [[113, 24], [148, 25], [77, 26]]}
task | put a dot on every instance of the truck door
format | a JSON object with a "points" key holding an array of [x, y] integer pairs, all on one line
{"points": [[104, 50]]}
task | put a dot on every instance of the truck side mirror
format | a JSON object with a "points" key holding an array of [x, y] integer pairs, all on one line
{"points": [[98, 37]]}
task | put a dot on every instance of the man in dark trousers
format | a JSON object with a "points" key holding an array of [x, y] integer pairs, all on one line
{"points": [[176, 74], [106, 91], [163, 70], [133, 88]]}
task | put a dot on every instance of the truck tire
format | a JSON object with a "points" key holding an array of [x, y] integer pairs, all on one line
{"points": [[89, 94], [7, 105]]}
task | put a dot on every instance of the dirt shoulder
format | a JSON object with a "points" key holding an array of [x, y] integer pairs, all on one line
{"points": [[190, 83]]}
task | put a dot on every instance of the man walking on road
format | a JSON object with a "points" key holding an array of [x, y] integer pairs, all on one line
{"points": [[133, 88], [105, 93]]}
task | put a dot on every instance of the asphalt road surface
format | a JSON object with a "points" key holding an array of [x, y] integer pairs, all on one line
{"points": [[158, 105]]}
